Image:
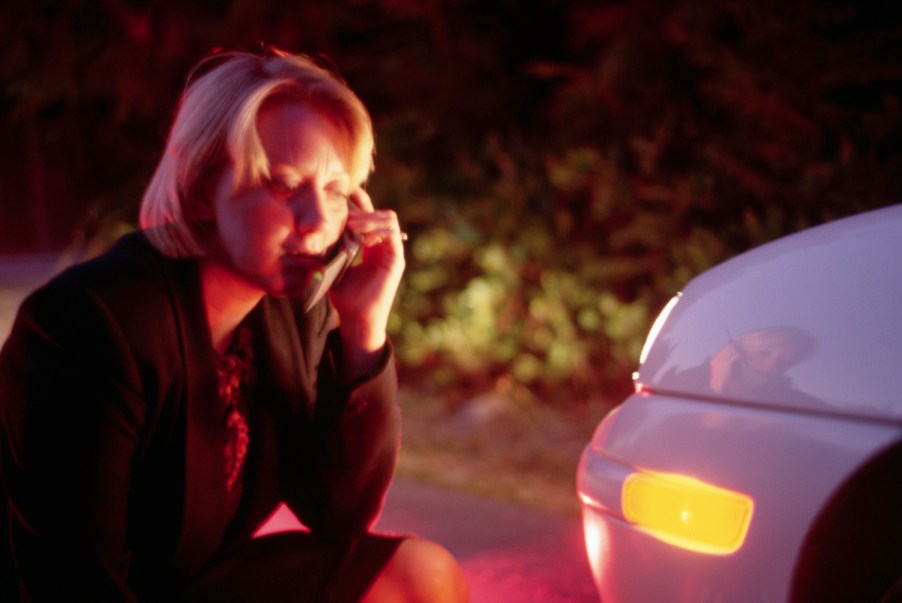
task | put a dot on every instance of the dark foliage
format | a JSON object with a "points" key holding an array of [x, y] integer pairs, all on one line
{"points": [[562, 167]]}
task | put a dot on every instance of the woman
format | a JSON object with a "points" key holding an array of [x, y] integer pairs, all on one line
{"points": [[159, 401]]}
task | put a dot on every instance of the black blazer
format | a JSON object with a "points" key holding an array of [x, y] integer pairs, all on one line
{"points": [[111, 447]]}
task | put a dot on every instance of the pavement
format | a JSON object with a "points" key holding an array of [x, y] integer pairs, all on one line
{"points": [[18, 275], [508, 552]]}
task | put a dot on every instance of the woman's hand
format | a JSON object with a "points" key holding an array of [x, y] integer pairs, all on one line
{"points": [[365, 295], [725, 367]]}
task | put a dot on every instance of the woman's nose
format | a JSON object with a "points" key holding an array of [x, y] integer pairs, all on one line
{"points": [[309, 210]]}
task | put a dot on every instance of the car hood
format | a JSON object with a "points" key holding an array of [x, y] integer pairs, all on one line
{"points": [[810, 322]]}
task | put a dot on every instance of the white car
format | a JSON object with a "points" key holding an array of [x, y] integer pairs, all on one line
{"points": [[759, 458]]}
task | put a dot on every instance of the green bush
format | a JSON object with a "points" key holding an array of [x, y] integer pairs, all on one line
{"points": [[563, 168], [658, 140]]}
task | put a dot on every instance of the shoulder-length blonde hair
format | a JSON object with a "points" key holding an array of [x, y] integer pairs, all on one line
{"points": [[215, 126]]}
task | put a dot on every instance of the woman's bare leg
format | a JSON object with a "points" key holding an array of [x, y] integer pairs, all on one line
{"points": [[420, 571]]}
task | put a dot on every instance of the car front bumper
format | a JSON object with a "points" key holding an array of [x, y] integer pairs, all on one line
{"points": [[790, 465]]}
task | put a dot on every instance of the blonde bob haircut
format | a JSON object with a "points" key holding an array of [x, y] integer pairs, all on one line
{"points": [[215, 126]]}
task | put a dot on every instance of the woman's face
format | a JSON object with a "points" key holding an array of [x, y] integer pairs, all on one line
{"points": [[275, 234]]}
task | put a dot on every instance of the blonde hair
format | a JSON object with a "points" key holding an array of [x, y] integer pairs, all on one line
{"points": [[215, 125]]}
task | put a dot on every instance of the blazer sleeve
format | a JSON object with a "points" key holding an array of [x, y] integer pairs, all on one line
{"points": [[350, 451], [72, 417]]}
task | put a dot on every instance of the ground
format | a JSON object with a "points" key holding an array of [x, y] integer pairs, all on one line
{"points": [[498, 444]]}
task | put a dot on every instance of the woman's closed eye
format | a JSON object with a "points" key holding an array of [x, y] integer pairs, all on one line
{"points": [[281, 186], [338, 196], [285, 187]]}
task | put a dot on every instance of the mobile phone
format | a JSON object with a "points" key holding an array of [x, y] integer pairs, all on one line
{"points": [[334, 268]]}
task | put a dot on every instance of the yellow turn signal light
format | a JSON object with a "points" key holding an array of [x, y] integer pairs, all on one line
{"points": [[686, 512]]}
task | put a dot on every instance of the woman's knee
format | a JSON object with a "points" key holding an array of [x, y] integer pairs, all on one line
{"points": [[420, 570]]}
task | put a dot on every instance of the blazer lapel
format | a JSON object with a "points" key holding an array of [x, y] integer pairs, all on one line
{"points": [[204, 518], [287, 375]]}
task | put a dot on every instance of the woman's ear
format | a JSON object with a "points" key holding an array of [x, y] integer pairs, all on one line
{"points": [[204, 211], [197, 207], [199, 202]]}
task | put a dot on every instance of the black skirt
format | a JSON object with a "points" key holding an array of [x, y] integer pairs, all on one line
{"points": [[293, 567]]}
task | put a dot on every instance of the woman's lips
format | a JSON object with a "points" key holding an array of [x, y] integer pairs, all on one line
{"points": [[299, 261]]}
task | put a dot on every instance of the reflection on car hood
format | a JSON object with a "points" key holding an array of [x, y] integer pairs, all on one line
{"points": [[812, 321]]}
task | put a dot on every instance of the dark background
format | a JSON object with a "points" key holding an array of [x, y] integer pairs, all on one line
{"points": [[562, 168]]}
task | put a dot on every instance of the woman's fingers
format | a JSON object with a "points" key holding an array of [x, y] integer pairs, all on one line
{"points": [[373, 226], [362, 200], [376, 227]]}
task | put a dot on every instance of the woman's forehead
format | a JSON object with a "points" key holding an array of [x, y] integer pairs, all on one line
{"points": [[294, 132]]}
